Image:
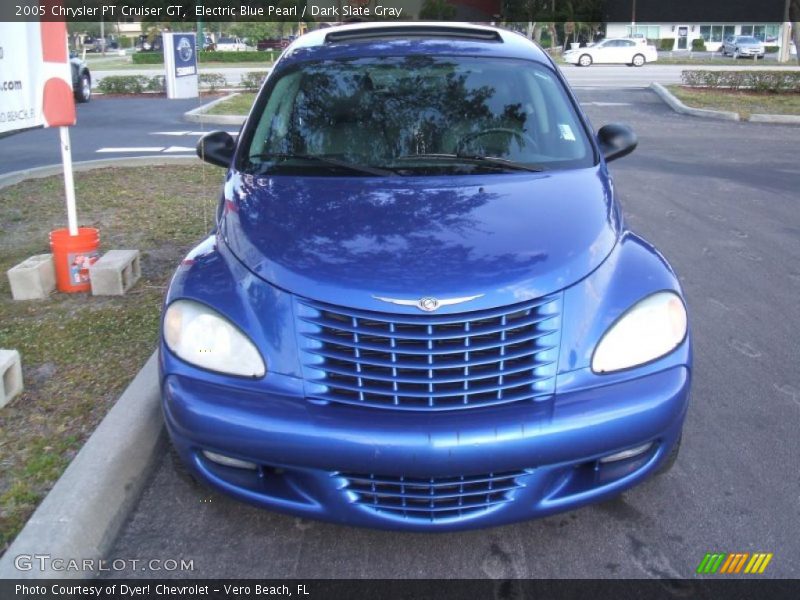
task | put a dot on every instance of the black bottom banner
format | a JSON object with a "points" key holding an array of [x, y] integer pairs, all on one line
{"points": [[399, 589]]}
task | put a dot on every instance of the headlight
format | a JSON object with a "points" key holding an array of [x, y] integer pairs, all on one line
{"points": [[201, 336], [650, 329]]}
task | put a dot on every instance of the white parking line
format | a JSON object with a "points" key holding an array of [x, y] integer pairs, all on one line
{"points": [[184, 133], [606, 103], [179, 149], [137, 149]]}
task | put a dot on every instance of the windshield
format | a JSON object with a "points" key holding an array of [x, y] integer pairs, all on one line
{"points": [[415, 115], [747, 40]]}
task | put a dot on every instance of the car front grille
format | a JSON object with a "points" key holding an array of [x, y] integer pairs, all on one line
{"points": [[432, 499], [430, 362]]}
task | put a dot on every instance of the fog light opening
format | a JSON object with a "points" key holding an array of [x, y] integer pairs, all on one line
{"points": [[229, 461], [626, 454]]}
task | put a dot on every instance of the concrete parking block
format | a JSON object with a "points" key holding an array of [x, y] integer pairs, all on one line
{"points": [[33, 278], [115, 272], [10, 376]]}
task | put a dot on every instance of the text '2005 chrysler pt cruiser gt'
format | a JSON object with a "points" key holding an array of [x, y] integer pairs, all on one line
{"points": [[421, 308]]}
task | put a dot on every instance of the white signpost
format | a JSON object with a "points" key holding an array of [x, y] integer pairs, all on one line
{"points": [[180, 64]]}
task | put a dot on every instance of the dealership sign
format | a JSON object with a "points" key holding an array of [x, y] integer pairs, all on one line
{"points": [[35, 77], [180, 65]]}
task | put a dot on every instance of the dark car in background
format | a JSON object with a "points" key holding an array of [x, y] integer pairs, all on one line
{"points": [[145, 44], [272, 44], [81, 79]]}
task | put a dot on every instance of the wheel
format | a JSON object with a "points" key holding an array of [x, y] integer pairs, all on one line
{"points": [[585, 60], [671, 457], [735, 53], [638, 60], [84, 92]]}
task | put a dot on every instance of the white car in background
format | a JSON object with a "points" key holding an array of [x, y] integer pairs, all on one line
{"points": [[627, 51], [230, 44]]}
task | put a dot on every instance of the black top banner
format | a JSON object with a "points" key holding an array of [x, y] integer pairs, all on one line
{"points": [[334, 11]]}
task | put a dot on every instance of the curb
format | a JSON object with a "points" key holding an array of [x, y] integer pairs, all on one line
{"points": [[680, 107], [14, 177], [81, 516], [782, 119], [198, 115]]}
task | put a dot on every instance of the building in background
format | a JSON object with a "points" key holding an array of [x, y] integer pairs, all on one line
{"points": [[684, 34]]}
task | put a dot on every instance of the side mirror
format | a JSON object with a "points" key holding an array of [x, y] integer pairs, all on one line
{"points": [[616, 140], [216, 148]]}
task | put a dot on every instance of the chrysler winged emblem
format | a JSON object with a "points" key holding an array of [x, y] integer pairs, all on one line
{"points": [[427, 303]]}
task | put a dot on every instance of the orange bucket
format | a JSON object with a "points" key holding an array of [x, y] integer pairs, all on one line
{"points": [[72, 257]]}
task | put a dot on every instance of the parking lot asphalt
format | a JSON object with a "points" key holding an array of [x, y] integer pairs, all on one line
{"points": [[129, 126], [720, 200]]}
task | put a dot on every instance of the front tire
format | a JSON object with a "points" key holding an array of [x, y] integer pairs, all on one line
{"points": [[84, 91], [638, 60], [735, 53], [585, 60]]}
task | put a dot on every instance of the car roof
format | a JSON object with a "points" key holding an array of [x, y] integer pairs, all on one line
{"points": [[392, 37]]}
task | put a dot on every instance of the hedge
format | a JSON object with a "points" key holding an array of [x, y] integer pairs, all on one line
{"points": [[666, 44], [138, 84], [698, 44], [157, 58], [124, 84], [771, 49], [148, 58], [751, 79], [212, 81], [252, 80], [247, 56]]}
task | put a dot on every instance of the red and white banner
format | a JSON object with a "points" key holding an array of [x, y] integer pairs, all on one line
{"points": [[35, 76]]}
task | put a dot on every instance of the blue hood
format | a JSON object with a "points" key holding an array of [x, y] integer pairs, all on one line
{"points": [[510, 237]]}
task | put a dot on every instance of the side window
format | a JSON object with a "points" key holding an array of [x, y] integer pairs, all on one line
{"points": [[275, 123], [558, 131]]}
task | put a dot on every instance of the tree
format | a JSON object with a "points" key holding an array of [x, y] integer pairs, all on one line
{"points": [[794, 18], [437, 10], [255, 30]]}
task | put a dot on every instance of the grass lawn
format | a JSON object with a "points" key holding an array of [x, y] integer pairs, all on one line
{"points": [[718, 59], [743, 102], [238, 105], [78, 351]]}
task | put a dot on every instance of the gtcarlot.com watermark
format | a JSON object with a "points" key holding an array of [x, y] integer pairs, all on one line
{"points": [[47, 562]]}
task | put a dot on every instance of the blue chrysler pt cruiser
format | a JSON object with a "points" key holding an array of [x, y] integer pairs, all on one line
{"points": [[421, 308]]}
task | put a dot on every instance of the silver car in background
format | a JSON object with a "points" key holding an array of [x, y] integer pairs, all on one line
{"points": [[742, 45]]}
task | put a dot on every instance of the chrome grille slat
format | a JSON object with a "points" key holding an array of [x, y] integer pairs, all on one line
{"points": [[448, 349], [366, 388], [427, 319], [430, 362], [432, 498], [469, 361], [391, 333], [395, 377]]}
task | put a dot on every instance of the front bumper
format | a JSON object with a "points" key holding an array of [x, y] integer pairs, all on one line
{"points": [[303, 449]]}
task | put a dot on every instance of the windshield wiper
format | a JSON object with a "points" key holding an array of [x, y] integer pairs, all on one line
{"points": [[480, 159], [327, 160]]}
